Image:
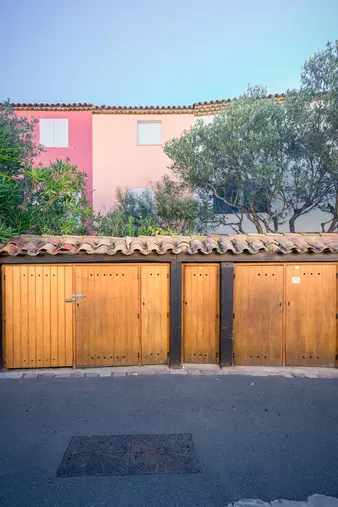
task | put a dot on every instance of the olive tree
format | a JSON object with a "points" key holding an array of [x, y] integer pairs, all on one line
{"points": [[266, 161]]}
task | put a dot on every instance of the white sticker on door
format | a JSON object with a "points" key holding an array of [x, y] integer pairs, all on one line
{"points": [[296, 279]]}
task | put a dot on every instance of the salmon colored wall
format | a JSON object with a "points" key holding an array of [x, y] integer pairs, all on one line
{"points": [[80, 149], [117, 159]]}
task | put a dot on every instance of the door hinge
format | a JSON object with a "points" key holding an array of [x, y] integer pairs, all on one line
{"points": [[336, 315], [337, 275], [336, 357], [234, 276], [168, 315], [168, 353], [138, 355], [233, 315], [138, 315], [4, 277], [216, 315], [168, 275]]}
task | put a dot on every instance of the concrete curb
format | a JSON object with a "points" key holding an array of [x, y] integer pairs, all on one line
{"points": [[312, 501], [191, 370]]}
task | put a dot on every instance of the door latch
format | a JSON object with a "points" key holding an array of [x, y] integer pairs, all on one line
{"points": [[74, 298]]}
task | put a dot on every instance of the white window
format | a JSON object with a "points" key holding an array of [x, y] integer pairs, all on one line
{"points": [[54, 132], [205, 119], [149, 133]]}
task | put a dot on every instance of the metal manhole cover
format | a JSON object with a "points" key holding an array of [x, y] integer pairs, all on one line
{"points": [[129, 455]]}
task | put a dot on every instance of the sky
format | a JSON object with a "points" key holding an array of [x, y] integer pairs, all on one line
{"points": [[156, 52]]}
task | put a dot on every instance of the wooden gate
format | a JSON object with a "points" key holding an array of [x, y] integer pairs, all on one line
{"points": [[155, 313], [258, 315], [201, 313], [37, 320], [107, 315], [311, 315], [122, 318], [285, 314]]}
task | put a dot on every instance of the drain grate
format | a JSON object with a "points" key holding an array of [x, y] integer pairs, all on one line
{"points": [[129, 455]]}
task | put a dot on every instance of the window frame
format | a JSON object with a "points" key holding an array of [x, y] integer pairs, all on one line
{"points": [[148, 121], [53, 120]]}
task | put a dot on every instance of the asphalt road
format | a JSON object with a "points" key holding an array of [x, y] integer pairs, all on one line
{"points": [[255, 437]]}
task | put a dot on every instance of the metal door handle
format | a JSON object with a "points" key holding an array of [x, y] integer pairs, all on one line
{"points": [[74, 298]]}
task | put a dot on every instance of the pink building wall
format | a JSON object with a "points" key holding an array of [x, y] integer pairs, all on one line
{"points": [[80, 146], [117, 159]]}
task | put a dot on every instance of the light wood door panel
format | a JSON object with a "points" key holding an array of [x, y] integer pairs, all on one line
{"points": [[38, 323], [155, 313], [311, 315], [258, 310], [201, 313], [107, 318]]}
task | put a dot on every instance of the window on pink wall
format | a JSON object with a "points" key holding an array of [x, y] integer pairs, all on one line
{"points": [[149, 133], [54, 132]]}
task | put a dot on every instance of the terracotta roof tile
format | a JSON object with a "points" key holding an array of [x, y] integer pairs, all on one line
{"points": [[192, 245], [197, 108]]}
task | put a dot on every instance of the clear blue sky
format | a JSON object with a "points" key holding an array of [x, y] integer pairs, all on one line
{"points": [[156, 52]]}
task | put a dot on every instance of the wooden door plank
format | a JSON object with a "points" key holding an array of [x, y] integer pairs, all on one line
{"points": [[201, 313], [16, 316], [67, 309], [311, 315], [24, 317], [126, 315], [32, 317], [39, 315], [46, 317], [61, 295], [54, 271], [9, 322], [155, 313], [258, 310]]}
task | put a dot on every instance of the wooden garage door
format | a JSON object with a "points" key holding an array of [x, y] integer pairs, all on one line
{"points": [[107, 317], [201, 313], [258, 312], [311, 315], [155, 313], [37, 319]]}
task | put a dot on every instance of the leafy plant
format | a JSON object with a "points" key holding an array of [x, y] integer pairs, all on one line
{"points": [[18, 146], [55, 200], [268, 163]]}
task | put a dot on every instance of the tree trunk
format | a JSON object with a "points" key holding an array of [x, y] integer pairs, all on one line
{"points": [[333, 225], [292, 221]]}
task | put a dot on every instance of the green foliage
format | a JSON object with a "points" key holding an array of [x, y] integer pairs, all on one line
{"points": [[319, 82], [55, 199], [18, 146], [50, 200], [268, 162], [175, 208], [236, 159], [10, 200], [165, 211]]}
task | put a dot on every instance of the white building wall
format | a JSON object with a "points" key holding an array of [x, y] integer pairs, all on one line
{"points": [[306, 223]]}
